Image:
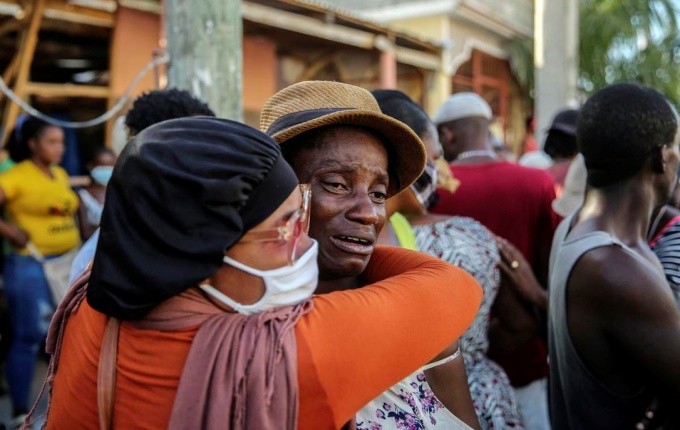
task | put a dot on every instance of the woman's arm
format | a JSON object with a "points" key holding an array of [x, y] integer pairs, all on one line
{"points": [[364, 341], [449, 383], [86, 229], [16, 237], [518, 271], [515, 320]]}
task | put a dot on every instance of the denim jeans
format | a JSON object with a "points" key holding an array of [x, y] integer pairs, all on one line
{"points": [[30, 306]]}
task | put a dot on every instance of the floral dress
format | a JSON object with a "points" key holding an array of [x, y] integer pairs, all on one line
{"points": [[411, 404]]}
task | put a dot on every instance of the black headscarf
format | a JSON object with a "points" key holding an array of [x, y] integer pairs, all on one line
{"points": [[182, 192]]}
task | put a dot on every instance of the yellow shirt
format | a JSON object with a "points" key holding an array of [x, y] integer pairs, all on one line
{"points": [[403, 231], [41, 206]]}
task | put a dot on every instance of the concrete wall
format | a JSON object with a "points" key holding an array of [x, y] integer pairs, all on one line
{"points": [[370, 4], [465, 36], [437, 84], [463, 26], [354, 66], [432, 27], [516, 14], [462, 36], [556, 59], [265, 71]]}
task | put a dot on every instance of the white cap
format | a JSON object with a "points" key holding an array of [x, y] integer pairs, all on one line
{"points": [[574, 191], [463, 105]]}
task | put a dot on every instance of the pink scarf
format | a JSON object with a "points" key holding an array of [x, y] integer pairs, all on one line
{"points": [[241, 371]]}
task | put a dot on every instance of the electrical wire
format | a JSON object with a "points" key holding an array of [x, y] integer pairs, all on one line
{"points": [[163, 58]]}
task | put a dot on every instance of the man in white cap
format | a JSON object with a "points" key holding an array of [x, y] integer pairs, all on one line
{"points": [[514, 202]]}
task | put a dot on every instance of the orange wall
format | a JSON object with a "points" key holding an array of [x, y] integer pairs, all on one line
{"points": [[135, 36], [259, 72]]}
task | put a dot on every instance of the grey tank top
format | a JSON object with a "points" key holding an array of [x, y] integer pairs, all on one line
{"points": [[577, 399]]}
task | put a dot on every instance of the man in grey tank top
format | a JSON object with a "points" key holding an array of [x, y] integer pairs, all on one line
{"points": [[614, 329]]}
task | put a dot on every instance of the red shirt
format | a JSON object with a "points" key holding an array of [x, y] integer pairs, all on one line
{"points": [[514, 202]]}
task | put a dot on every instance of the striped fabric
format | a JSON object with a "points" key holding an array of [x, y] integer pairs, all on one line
{"points": [[666, 246]]}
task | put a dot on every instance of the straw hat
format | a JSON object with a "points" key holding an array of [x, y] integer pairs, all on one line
{"points": [[310, 105]]}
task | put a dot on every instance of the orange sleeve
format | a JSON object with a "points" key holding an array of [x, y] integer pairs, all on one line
{"points": [[362, 342]]}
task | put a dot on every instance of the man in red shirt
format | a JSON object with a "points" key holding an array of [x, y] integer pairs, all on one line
{"points": [[514, 202]]}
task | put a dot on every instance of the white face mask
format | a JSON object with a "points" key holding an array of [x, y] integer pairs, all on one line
{"points": [[285, 286]]}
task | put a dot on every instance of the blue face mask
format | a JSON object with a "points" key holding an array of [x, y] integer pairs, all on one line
{"points": [[102, 174]]}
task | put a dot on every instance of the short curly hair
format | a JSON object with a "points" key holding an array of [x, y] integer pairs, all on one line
{"points": [[619, 128], [161, 105]]}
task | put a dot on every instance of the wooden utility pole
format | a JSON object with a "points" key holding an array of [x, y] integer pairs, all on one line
{"points": [[204, 40], [22, 66]]}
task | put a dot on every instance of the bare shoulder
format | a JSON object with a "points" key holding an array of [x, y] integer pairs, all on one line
{"points": [[619, 284], [625, 318]]}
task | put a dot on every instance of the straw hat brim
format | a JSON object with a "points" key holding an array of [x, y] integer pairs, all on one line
{"points": [[406, 150]]}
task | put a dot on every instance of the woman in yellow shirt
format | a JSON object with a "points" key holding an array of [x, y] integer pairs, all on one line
{"points": [[40, 208]]}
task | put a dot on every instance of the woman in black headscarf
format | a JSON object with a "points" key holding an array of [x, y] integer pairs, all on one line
{"points": [[199, 294]]}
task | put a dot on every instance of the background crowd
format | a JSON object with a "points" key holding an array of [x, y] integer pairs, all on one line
{"points": [[390, 339]]}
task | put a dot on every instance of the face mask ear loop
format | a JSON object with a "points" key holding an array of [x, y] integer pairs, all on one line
{"points": [[212, 291], [266, 275], [230, 261]]}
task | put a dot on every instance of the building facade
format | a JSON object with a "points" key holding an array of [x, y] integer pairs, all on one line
{"points": [[284, 41], [477, 36]]}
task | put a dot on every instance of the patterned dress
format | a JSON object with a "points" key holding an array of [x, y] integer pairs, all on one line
{"points": [[467, 244], [411, 404]]}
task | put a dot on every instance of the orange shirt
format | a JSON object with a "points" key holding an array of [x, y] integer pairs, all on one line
{"points": [[351, 347]]}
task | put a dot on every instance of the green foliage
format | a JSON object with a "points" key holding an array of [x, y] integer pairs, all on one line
{"points": [[522, 62], [620, 41], [629, 41]]}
